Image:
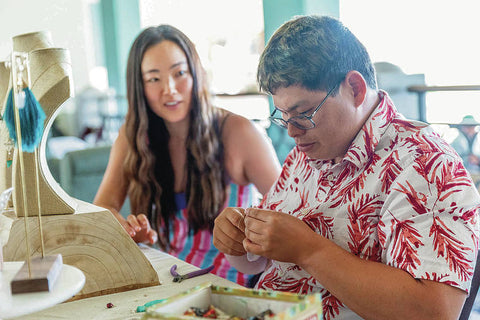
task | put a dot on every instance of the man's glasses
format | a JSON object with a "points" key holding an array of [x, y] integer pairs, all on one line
{"points": [[302, 121]]}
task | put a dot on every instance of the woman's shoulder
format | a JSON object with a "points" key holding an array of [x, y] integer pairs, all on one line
{"points": [[241, 135], [249, 155], [234, 128]]}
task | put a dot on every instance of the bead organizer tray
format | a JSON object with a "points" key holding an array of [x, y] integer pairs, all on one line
{"points": [[237, 304]]}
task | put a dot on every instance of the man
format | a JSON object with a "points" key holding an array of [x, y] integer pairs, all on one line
{"points": [[374, 211], [467, 143]]}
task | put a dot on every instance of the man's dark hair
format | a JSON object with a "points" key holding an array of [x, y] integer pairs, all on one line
{"points": [[315, 52]]}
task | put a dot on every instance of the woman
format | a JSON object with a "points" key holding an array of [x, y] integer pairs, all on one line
{"points": [[179, 159]]}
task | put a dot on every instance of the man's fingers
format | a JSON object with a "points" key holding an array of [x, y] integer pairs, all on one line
{"points": [[251, 247], [254, 234], [234, 244], [237, 217], [232, 232], [259, 214], [236, 251], [224, 241]]}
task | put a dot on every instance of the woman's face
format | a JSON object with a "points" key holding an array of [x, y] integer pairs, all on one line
{"points": [[167, 81]]}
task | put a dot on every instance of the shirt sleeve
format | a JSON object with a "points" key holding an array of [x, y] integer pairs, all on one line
{"points": [[429, 224]]}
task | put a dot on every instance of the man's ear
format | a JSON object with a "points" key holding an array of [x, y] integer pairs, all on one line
{"points": [[358, 85]]}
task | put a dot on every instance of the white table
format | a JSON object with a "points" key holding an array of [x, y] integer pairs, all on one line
{"points": [[125, 303], [70, 281]]}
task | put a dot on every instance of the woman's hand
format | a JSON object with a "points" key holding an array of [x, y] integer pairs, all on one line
{"points": [[228, 232], [138, 227]]}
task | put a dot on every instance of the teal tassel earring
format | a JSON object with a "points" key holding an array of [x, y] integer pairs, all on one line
{"points": [[31, 116], [30, 113]]}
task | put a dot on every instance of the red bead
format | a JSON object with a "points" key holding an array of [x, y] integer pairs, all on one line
{"points": [[109, 305]]}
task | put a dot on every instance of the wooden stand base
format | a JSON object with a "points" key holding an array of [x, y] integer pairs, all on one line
{"points": [[91, 240], [42, 276]]}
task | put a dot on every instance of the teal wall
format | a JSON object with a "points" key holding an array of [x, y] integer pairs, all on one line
{"points": [[116, 24], [275, 13]]}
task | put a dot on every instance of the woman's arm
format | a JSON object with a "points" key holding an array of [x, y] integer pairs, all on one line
{"points": [[249, 154]]}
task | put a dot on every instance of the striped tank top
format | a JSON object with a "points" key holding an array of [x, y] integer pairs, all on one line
{"points": [[198, 248]]}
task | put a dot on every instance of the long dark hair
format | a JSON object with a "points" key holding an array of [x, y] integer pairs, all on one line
{"points": [[148, 166]]}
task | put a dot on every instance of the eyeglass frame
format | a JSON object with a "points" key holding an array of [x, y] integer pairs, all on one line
{"points": [[284, 123]]}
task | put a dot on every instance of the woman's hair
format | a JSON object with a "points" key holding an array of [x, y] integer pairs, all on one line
{"points": [[315, 52], [148, 166]]}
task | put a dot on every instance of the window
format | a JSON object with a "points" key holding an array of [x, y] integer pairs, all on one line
{"points": [[229, 39], [436, 38]]}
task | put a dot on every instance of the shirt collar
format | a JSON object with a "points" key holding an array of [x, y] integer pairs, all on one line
{"points": [[362, 149]]}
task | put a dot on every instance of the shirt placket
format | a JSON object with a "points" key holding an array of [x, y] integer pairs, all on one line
{"points": [[331, 176]]}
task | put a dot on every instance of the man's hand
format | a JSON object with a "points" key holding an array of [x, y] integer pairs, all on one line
{"points": [[138, 227], [228, 232], [276, 235]]}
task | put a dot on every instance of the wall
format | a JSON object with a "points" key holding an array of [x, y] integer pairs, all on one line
{"points": [[66, 20]]}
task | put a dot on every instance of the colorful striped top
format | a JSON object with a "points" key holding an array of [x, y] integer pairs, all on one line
{"points": [[198, 248]]}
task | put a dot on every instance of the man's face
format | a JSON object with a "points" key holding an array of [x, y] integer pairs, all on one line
{"points": [[335, 125]]}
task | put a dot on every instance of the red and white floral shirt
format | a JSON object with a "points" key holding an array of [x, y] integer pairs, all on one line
{"points": [[400, 196]]}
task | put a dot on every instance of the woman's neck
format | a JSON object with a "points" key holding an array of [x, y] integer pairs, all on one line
{"points": [[178, 131]]}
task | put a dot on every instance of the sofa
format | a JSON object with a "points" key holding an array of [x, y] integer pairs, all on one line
{"points": [[80, 172]]}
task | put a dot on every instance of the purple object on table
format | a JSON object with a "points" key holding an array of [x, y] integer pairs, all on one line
{"points": [[179, 278]]}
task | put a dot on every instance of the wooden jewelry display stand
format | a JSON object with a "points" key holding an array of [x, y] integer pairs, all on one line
{"points": [[87, 236], [21, 43], [5, 170]]}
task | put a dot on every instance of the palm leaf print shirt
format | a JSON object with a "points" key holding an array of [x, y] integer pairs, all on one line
{"points": [[400, 196]]}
